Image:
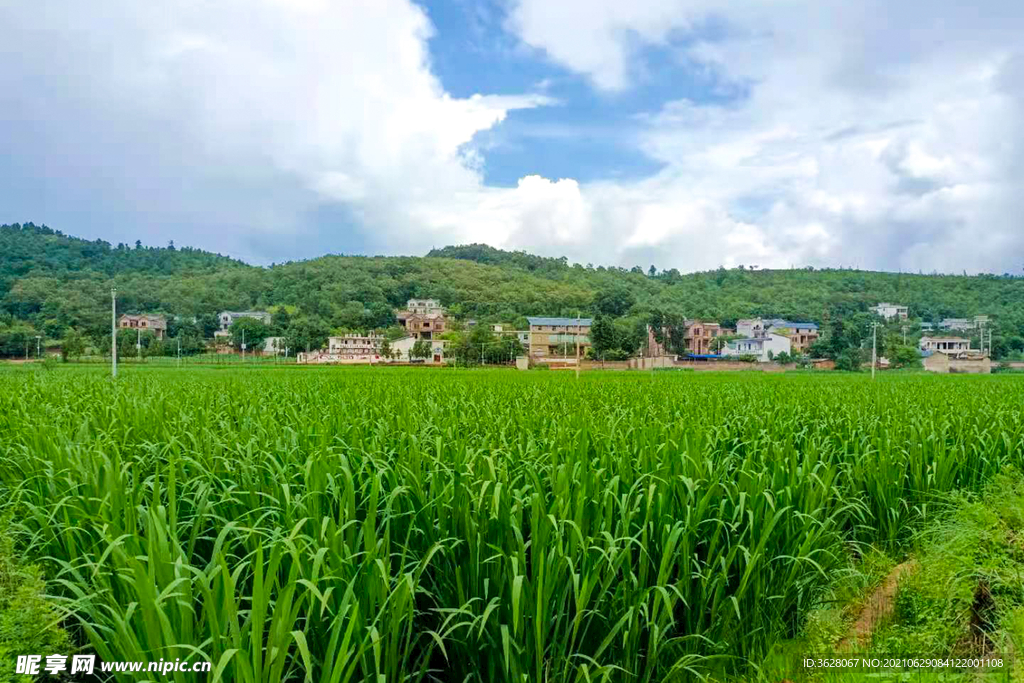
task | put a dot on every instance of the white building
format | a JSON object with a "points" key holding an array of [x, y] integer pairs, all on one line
{"points": [[349, 349], [274, 346], [891, 311], [403, 347], [945, 344], [764, 348], [355, 344], [750, 327], [227, 317], [424, 306]]}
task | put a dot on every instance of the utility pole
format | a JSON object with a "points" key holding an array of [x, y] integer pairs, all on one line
{"points": [[243, 345], [38, 353], [904, 335], [179, 349], [874, 347], [113, 333], [138, 343]]}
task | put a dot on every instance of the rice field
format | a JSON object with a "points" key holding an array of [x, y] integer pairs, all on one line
{"points": [[385, 524]]}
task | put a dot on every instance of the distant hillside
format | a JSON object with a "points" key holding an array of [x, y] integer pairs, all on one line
{"points": [[55, 282]]}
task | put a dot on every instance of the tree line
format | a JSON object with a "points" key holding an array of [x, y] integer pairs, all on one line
{"points": [[58, 287]]}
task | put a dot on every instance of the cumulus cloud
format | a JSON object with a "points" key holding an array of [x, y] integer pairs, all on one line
{"points": [[232, 124], [869, 134], [873, 134]]}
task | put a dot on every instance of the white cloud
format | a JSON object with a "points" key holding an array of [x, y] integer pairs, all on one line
{"points": [[874, 134], [247, 115]]}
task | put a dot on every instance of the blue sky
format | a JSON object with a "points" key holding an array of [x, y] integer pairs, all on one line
{"points": [[683, 133], [589, 134]]}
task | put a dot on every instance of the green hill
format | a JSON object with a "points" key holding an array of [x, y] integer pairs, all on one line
{"points": [[54, 283]]}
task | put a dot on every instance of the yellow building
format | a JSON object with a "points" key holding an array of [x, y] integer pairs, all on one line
{"points": [[552, 338]]}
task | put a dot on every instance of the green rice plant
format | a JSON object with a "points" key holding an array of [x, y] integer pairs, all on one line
{"points": [[387, 524]]}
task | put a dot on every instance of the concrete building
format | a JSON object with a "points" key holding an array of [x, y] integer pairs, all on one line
{"points": [[424, 306], [226, 318], [422, 318], [801, 334], [750, 327], [355, 344], [891, 311], [765, 348], [422, 325], [952, 345], [699, 335], [274, 346], [558, 337], [349, 349], [157, 324], [404, 346]]}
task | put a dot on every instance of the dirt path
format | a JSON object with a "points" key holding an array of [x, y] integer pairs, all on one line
{"points": [[877, 607]]}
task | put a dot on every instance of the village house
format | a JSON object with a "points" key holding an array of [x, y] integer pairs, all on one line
{"points": [[422, 318], [750, 327], [699, 335], [274, 346], [801, 334], [355, 344], [765, 348], [346, 349], [157, 324], [403, 348], [952, 345], [424, 306], [227, 318], [891, 311], [558, 337]]}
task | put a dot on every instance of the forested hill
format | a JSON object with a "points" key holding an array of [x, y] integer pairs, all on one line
{"points": [[54, 282], [27, 248]]}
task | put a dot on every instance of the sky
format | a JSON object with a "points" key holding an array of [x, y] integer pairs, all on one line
{"points": [[683, 134]]}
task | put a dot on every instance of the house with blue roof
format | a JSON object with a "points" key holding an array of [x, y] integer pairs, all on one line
{"points": [[801, 334]]}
